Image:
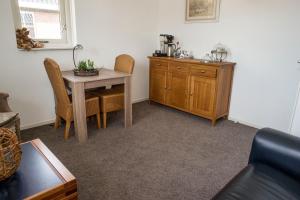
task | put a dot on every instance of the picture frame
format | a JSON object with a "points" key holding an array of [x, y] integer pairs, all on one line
{"points": [[202, 10]]}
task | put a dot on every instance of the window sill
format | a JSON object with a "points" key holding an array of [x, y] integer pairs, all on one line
{"points": [[49, 48]]}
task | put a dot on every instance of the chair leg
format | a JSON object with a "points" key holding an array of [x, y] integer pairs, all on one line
{"points": [[67, 129], [98, 120], [57, 122], [104, 119]]}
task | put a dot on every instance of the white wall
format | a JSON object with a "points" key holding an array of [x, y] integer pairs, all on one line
{"points": [[295, 125], [263, 36], [106, 28]]}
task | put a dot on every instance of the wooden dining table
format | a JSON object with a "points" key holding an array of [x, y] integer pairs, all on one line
{"points": [[78, 85]]}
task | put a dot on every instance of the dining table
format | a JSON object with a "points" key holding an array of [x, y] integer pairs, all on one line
{"points": [[105, 78]]}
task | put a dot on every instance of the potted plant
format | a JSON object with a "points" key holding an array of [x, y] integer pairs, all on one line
{"points": [[86, 68]]}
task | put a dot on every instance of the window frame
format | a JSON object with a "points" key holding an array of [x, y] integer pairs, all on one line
{"points": [[67, 24]]}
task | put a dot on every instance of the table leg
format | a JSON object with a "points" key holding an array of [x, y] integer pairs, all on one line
{"points": [[127, 103], [79, 111]]}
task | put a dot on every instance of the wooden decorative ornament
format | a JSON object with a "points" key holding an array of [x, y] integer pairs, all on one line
{"points": [[25, 42]]}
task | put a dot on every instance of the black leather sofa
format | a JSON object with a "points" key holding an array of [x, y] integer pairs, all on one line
{"points": [[273, 171]]}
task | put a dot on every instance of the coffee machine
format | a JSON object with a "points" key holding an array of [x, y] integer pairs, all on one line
{"points": [[167, 46]]}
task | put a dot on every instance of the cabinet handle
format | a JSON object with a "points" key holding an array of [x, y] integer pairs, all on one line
{"points": [[178, 67], [158, 64], [202, 71]]}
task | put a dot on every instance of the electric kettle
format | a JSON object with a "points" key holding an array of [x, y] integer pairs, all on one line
{"points": [[170, 49]]}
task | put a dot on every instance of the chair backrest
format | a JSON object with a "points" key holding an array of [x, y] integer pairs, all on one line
{"points": [[124, 63], [57, 82]]}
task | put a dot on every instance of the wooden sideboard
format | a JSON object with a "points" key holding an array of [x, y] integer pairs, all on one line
{"points": [[203, 89]]}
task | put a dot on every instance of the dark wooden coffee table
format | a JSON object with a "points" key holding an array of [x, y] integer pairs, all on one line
{"points": [[40, 176]]}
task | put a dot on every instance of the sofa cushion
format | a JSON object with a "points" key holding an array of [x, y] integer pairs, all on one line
{"points": [[260, 182]]}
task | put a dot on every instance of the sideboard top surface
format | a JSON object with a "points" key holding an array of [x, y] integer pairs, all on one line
{"points": [[193, 61]]}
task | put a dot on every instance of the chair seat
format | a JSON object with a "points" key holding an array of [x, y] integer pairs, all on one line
{"points": [[110, 99], [119, 87], [115, 89], [91, 104], [260, 182]]}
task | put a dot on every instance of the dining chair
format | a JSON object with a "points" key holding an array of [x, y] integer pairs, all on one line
{"points": [[113, 99], [63, 101]]}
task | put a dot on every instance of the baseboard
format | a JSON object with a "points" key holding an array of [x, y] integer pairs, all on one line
{"points": [[135, 101], [29, 126], [140, 100], [52, 120], [244, 123], [229, 118]]}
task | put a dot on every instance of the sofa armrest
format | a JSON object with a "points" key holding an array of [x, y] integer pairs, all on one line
{"points": [[277, 150], [4, 107]]}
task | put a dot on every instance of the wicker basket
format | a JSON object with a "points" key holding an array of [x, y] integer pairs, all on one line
{"points": [[10, 153]]}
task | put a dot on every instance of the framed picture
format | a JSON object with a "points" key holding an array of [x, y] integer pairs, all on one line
{"points": [[202, 10]]}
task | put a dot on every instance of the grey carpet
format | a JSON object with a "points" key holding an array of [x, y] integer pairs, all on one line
{"points": [[167, 154]]}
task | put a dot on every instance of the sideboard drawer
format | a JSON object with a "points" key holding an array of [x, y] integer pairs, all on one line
{"points": [[159, 65], [204, 71], [178, 66]]}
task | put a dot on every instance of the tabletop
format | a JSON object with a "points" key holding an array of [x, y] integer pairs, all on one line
{"points": [[104, 74], [6, 117]]}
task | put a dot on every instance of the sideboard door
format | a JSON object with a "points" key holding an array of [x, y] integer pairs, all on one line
{"points": [[177, 92], [202, 95], [158, 85]]}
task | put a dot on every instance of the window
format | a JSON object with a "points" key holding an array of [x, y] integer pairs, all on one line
{"points": [[49, 21]]}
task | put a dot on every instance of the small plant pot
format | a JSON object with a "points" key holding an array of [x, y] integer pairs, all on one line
{"points": [[94, 72]]}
